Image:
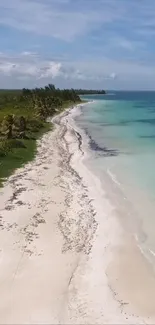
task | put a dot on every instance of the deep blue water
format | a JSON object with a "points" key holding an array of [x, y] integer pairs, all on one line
{"points": [[124, 95]]}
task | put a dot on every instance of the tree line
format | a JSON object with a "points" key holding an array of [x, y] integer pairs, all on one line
{"points": [[24, 112], [89, 92]]}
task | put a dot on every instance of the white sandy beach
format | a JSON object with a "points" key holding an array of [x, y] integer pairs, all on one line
{"points": [[64, 256]]}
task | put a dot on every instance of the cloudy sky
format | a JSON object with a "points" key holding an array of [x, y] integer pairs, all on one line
{"points": [[106, 44]]}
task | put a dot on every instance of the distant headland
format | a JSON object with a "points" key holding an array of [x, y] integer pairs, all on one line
{"points": [[90, 92]]}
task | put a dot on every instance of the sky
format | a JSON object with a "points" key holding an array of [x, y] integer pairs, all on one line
{"points": [[97, 44]]}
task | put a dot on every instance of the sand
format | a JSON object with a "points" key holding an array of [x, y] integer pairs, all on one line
{"points": [[63, 251]]}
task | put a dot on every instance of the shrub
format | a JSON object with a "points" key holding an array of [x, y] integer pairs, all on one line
{"points": [[8, 145], [5, 147], [35, 125], [7, 126], [16, 144]]}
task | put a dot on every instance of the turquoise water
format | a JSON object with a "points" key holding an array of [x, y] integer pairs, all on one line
{"points": [[121, 131]]}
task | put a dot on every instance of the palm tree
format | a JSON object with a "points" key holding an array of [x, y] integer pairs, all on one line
{"points": [[8, 125]]}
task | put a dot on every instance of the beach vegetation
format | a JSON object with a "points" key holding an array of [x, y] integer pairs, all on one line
{"points": [[90, 92], [23, 119]]}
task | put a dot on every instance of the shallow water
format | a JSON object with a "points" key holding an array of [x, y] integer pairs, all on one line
{"points": [[121, 131]]}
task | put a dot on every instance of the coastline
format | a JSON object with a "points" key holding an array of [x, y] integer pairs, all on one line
{"points": [[59, 237], [129, 275], [47, 225]]}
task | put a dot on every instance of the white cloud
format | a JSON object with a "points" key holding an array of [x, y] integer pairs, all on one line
{"points": [[28, 53], [113, 75], [126, 44], [31, 70], [60, 19], [52, 69], [114, 27], [27, 65]]}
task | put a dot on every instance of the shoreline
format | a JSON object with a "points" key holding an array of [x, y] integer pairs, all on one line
{"points": [[59, 237], [45, 230], [132, 290]]}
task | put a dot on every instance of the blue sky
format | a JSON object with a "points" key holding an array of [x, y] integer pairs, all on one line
{"points": [[106, 44]]}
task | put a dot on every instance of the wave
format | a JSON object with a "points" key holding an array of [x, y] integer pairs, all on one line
{"points": [[113, 177], [145, 251], [152, 252]]}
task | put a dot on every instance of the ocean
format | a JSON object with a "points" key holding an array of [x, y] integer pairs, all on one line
{"points": [[120, 129]]}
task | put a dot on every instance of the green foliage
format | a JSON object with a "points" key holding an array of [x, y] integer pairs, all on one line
{"points": [[7, 125], [16, 156], [35, 125], [89, 92], [5, 147], [14, 143], [22, 124], [23, 116]]}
